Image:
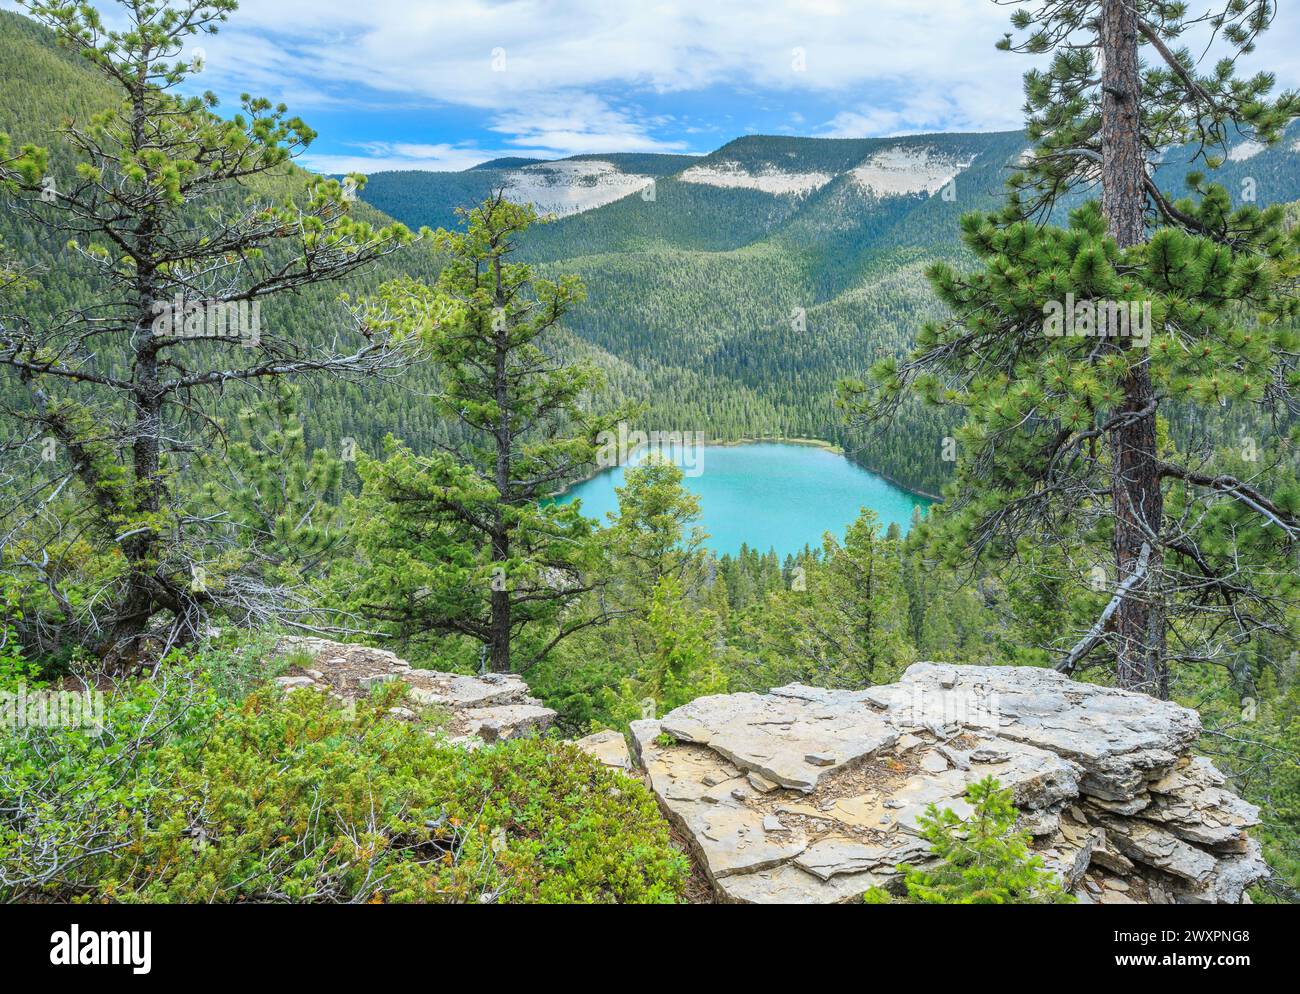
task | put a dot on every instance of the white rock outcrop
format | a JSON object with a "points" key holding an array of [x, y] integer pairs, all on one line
{"points": [[769, 179], [1245, 150], [571, 186], [610, 748], [907, 170], [813, 796]]}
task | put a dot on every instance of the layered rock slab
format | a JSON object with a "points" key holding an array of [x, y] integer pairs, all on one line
{"points": [[806, 795], [848, 832], [792, 736], [1120, 740], [467, 710]]}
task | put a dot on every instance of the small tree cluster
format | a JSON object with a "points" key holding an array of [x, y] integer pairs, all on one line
{"points": [[979, 860]]}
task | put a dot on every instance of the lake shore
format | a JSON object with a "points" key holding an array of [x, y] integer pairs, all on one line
{"points": [[936, 498], [814, 443], [821, 443], [784, 495]]}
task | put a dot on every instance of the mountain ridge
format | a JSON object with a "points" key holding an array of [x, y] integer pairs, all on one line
{"points": [[723, 308], [774, 295]]}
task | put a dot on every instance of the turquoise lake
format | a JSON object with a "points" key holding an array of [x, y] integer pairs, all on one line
{"points": [[769, 495]]}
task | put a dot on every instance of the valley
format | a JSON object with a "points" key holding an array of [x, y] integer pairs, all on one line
{"points": [[755, 278], [614, 462]]}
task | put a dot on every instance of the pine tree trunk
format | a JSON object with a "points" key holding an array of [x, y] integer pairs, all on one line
{"points": [[499, 647], [499, 650], [499, 623], [1123, 163], [142, 548], [1136, 494]]}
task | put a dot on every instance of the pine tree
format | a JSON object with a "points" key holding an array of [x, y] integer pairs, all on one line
{"points": [[1063, 388], [463, 541], [649, 536], [981, 859], [676, 663], [844, 622], [275, 509], [159, 212]]}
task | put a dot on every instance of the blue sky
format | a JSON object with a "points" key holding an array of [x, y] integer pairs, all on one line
{"points": [[445, 84]]}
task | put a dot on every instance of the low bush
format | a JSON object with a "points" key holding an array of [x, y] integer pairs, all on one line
{"points": [[184, 797]]}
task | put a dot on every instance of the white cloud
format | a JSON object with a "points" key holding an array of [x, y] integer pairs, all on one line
{"points": [[893, 66], [446, 51], [543, 135], [373, 157], [573, 123], [976, 105], [535, 68]]}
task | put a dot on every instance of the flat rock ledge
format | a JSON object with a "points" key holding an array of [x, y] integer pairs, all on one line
{"points": [[805, 795], [466, 710]]}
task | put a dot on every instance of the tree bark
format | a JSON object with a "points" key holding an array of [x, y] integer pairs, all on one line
{"points": [[141, 549], [1136, 494], [1123, 170], [499, 653], [499, 650]]}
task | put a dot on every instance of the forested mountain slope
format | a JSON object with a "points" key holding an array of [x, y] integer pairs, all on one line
{"points": [[727, 292], [743, 285], [43, 88], [579, 183]]}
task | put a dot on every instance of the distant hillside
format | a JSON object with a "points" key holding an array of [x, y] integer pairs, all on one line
{"points": [[42, 87], [561, 186], [727, 292], [738, 287], [507, 162]]}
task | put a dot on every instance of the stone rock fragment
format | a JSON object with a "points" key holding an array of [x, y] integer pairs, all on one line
{"points": [[833, 856], [761, 783], [294, 682], [934, 762], [906, 742], [1145, 843], [509, 721], [1192, 803], [471, 709], [609, 747]]}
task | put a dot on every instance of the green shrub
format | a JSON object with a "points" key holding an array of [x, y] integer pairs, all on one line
{"points": [[981, 860], [15, 669], [68, 795], [295, 798], [237, 661]]}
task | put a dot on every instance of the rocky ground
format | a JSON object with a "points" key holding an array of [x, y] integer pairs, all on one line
{"points": [[469, 710], [813, 796]]}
